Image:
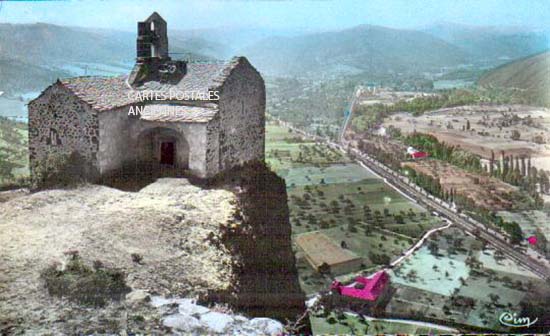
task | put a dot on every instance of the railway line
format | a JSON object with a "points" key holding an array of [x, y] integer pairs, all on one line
{"points": [[438, 207]]}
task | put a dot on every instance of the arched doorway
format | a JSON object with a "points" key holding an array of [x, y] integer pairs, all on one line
{"points": [[163, 148]]}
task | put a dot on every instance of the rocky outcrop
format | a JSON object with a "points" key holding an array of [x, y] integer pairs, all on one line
{"points": [[227, 242], [187, 317], [267, 278]]}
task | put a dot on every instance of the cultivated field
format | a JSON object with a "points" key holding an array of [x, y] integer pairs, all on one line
{"points": [[482, 129], [455, 278], [355, 325], [328, 192], [487, 192], [448, 279]]}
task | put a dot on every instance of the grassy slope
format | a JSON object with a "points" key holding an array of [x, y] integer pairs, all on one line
{"points": [[531, 74]]}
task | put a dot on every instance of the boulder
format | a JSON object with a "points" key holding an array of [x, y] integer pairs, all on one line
{"points": [[137, 296], [217, 322], [267, 326], [182, 322], [159, 301], [189, 307]]}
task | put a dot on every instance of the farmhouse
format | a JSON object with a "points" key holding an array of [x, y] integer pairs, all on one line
{"points": [[367, 292], [416, 154], [364, 288], [324, 255], [202, 118]]}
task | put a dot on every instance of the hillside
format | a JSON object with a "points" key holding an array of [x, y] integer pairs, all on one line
{"points": [[13, 152], [34, 55], [19, 76], [363, 48], [52, 45], [491, 44], [531, 75]]}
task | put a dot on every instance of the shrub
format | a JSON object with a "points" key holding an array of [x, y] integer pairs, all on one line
{"points": [[137, 258], [60, 170], [82, 284], [331, 320]]}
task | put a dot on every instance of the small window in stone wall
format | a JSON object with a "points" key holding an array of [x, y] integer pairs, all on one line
{"points": [[53, 138]]}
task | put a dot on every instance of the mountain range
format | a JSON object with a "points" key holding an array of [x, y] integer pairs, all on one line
{"points": [[492, 43], [364, 49], [52, 45]]}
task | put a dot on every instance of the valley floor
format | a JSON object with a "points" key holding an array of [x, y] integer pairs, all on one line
{"points": [[446, 280]]}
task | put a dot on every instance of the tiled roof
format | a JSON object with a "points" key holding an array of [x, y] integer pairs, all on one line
{"points": [[171, 113], [106, 93]]}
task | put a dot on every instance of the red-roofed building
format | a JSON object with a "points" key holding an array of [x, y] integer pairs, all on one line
{"points": [[369, 291], [419, 155], [416, 154]]}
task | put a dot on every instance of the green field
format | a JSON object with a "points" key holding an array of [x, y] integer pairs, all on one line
{"points": [[327, 191], [354, 325], [454, 278], [286, 151], [532, 223], [442, 279]]}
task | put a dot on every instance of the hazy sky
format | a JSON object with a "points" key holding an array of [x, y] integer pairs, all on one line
{"points": [[274, 14]]}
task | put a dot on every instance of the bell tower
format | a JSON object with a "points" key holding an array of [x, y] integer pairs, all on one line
{"points": [[152, 39], [153, 62]]}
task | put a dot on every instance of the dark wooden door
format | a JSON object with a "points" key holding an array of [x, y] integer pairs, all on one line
{"points": [[167, 153]]}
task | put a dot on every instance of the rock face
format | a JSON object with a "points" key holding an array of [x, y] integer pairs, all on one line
{"points": [[169, 224], [267, 278]]}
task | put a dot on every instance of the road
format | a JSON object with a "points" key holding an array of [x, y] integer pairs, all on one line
{"points": [[402, 321], [348, 116], [439, 207], [418, 244]]}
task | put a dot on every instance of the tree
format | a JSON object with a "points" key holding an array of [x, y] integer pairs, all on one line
{"points": [[399, 219], [433, 247], [494, 298], [515, 135], [7, 164]]}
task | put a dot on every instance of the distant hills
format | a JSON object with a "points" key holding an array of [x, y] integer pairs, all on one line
{"points": [[19, 77], [492, 43], [364, 48], [50, 45], [530, 75], [46, 51], [33, 55]]}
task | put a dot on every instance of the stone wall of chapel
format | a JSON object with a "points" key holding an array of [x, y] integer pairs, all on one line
{"points": [[242, 117], [61, 123]]}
